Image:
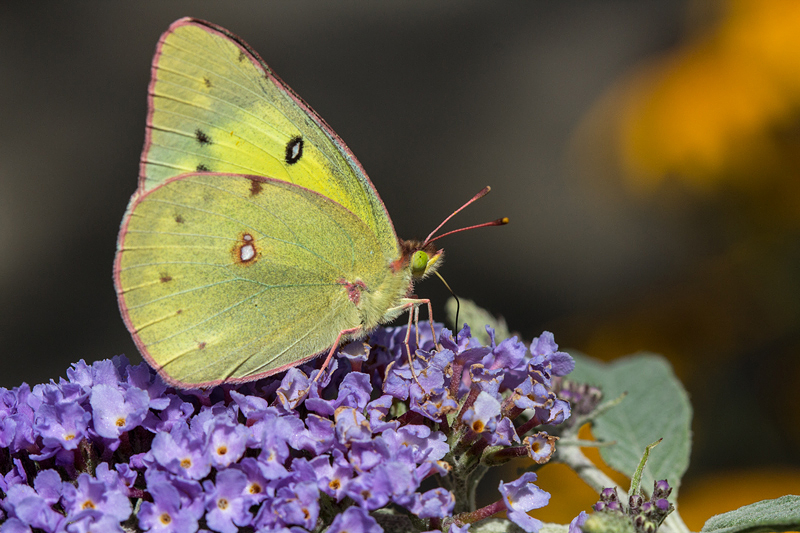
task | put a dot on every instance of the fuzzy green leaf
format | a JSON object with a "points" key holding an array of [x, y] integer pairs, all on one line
{"points": [[656, 406], [495, 525], [781, 514]]}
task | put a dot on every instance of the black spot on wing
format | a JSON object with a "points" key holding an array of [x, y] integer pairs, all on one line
{"points": [[202, 137], [241, 56], [207, 81], [202, 168], [294, 150]]}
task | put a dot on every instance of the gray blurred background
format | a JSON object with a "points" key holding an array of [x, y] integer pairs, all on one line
{"points": [[437, 100]]}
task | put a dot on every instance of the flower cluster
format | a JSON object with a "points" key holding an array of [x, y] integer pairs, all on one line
{"points": [[112, 446], [645, 514]]}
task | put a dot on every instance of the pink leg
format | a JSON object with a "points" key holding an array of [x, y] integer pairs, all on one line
{"points": [[412, 314], [333, 350]]}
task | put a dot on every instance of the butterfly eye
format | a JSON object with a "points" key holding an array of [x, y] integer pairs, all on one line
{"points": [[294, 150], [419, 263]]}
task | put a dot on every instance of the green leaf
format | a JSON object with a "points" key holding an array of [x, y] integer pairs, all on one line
{"points": [[495, 525], [782, 514], [549, 527], [607, 523], [656, 406]]}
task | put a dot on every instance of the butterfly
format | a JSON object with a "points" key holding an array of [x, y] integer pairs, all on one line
{"points": [[255, 241]]}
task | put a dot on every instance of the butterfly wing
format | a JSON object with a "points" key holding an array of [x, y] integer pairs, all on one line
{"points": [[231, 278], [215, 106]]}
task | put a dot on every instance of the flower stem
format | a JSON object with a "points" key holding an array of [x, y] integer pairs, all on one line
{"points": [[480, 514]]}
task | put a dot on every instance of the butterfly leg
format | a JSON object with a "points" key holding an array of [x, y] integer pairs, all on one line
{"points": [[414, 302], [333, 350], [411, 315], [416, 323]]}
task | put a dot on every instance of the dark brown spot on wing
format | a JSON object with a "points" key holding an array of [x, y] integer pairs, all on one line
{"points": [[179, 219], [207, 81], [202, 137], [202, 168], [255, 187], [165, 277]]}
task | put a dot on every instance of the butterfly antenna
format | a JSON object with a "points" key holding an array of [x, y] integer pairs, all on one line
{"points": [[481, 194]]}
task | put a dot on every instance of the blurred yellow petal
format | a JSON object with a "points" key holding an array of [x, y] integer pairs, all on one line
{"points": [[714, 110]]}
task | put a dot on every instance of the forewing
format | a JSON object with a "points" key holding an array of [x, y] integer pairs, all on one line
{"points": [[215, 106], [231, 278]]}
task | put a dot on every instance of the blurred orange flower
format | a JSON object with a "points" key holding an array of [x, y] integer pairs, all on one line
{"points": [[711, 110]]}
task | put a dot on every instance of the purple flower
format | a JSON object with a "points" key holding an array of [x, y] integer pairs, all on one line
{"points": [[484, 414], [121, 479], [16, 419], [257, 485], [141, 377], [521, 496], [531, 394], [416, 444], [95, 523], [434, 405], [354, 520], [333, 474], [274, 433], [180, 452], [15, 475], [293, 388], [371, 490], [436, 503], [32, 506], [377, 410], [176, 411], [555, 414], [354, 391], [577, 522], [170, 511], [487, 379], [319, 437], [61, 426], [351, 425], [296, 504], [226, 504], [94, 497], [543, 350], [504, 434], [226, 440], [540, 447], [509, 356], [114, 412]]}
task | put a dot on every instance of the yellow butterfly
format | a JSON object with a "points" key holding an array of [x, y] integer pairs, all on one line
{"points": [[255, 241]]}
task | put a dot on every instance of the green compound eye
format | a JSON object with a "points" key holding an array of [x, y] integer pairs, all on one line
{"points": [[419, 263]]}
